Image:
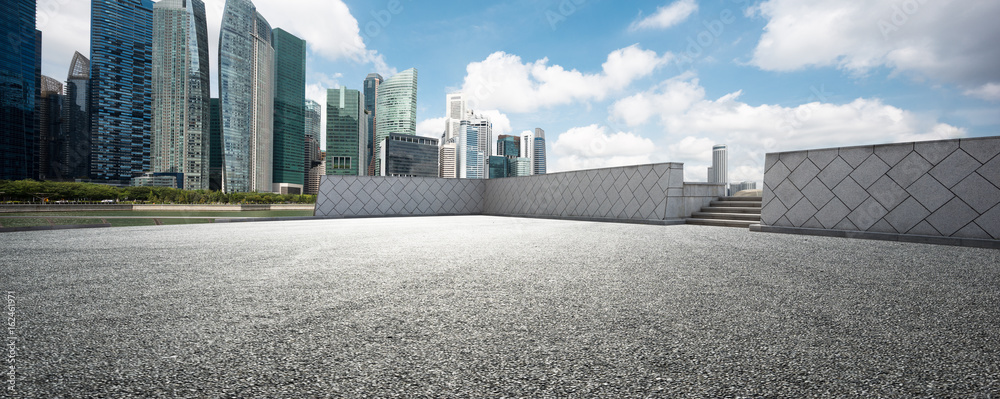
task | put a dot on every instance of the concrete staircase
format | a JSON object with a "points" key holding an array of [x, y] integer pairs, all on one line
{"points": [[729, 212]]}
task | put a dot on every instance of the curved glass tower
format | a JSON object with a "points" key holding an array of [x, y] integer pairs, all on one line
{"points": [[18, 82], [181, 93], [246, 96], [372, 83], [397, 109]]}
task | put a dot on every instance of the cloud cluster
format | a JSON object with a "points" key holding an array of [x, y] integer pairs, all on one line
{"points": [[502, 81], [592, 147], [949, 41], [667, 16]]}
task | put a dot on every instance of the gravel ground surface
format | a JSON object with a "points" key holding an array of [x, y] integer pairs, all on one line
{"points": [[492, 307]]}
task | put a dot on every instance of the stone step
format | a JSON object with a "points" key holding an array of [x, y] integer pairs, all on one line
{"points": [[743, 224], [737, 204], [727, 216], [719, 209], [751, 199]]}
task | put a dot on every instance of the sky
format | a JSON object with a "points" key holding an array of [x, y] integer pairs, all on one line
{"points": [[618, 83]]}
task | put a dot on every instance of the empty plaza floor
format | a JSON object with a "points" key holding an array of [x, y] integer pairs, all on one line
{"points": [[482, 306]]}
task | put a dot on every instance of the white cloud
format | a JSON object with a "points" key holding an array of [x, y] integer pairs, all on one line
{"points": [[667, 16], [592, 147], [433, 127], [948, 40], [672, 96], [504, 82], [989, 92]]}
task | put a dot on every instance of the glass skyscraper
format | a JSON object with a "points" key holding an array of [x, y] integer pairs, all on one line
{"points": [[409, 155], [18, 88], [49, 109], [397, 109], [372, 82], [498, 167], [71, 148], [246, 91], [346, 130], [181, 92], [215, 156], [311, 153], [289, 110], [121, 84], [538, 153], [472, 159]]}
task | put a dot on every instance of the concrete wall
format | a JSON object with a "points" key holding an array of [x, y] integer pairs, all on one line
{"points": [[351, 196], [945, 188], [645, 193], [157, 207]]}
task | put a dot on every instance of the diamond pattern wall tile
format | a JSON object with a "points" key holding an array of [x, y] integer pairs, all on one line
{"points": [[888, 193], [952, 217], [910, 169], [907, 215], [983, 149], [869, 171], [931, 194], [990, 222], [772, 212], [801, 213], [832, 214], [822, 158], [769, 161], [850, 193], [867, 214], [955, 168], [991, 171], [893, 153], [924, 229], [803, 174], [834, 173], [855, 156], [791, 160], [936, 151], [846, 225], [788, 194], [978, 193], [776, 176], [883, 227], [973, 231]]}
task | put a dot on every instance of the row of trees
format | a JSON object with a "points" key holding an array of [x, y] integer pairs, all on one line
{"points": [[36, 191]]}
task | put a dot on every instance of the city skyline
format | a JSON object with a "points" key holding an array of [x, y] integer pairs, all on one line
{"points": [[714, 72]]}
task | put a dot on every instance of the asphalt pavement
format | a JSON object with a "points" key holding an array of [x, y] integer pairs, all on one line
{"points": [[482, 306]]}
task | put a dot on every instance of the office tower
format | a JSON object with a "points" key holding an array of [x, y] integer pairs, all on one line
{"points": [[518, 167], [407, 155], [215, 157], [397, 109], [509, 146], [472, 160], [346, 129], [181, 93], [121, 87], [246, 91], [484, 127], [498, 167], [18, 91], [311, 155], [743, 186], [711, 174], [289, 112], [449, 159], [456, 112], [720, 165], [318, 172], [372, 83], [49, 108], [70, 158], [528, 149], [538, 153]]}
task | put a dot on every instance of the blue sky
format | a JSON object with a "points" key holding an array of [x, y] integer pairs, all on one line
{"points": [[616, 83]]}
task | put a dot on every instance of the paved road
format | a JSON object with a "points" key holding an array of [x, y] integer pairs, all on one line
{"points": [[488, 306]]}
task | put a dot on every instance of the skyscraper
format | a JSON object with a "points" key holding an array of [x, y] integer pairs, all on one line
{"points": [[528, 150], [49, 108], [484, 127], [409, 155], [311, 155], [246, 90], [472, 160], [509, 146], [397, 109], [372, 83], [449, 159], [538, 153], [18, 88], [456, 112], [121, 84], [71, 159], [289, 112], [181, 92], [215, 158], [346, 129], [720, 165]]}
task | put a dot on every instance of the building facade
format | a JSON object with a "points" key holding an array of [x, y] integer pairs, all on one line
{"points": [[18, 89], [216, 156], [528, 149], [448, 159], [372, 83], [743, 186], [246, 91], [49, 108], [397, 109], [346, 130], [181, 93], [288, 174], [538, 153], [472, 160], [408, 155], [498, 167], [720, 165], [509, 146], [70, 158], [121, 84], [312, 155]]}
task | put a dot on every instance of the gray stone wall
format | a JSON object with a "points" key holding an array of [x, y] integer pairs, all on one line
{"points": [[350, 196], [947, 188], [645, 193]]}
